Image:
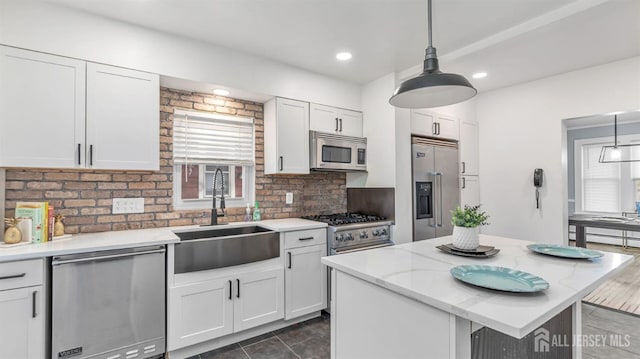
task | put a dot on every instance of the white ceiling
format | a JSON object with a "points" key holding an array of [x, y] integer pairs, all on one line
{"points": [[513, 40]]}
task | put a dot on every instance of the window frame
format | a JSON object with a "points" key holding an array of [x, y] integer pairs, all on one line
{"points": [[205, 201], [625, 191]]}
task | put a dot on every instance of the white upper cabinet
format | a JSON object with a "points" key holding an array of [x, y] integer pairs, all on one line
{"points": [[469, 148], [286, 136], [42, 110], [469, 191], [335, 120], [426, 123], [57, 112], [123, 114]]}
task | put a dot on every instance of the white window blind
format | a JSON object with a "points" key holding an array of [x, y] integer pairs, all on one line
{"points": [[601, 181], [212, 138]]}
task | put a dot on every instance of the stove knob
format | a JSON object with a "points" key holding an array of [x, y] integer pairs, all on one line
{"points": [[339, 237], [383, 232], [376, 232], [349, 237], [363, 235]]}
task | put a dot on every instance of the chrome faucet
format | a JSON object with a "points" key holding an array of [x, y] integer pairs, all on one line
{"points": [[214, 210]]}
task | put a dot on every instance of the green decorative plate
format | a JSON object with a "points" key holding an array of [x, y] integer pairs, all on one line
{"points": [[499, 278], [565, 251]]}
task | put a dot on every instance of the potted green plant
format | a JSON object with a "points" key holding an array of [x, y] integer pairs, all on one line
{"points": [[466, 223]]}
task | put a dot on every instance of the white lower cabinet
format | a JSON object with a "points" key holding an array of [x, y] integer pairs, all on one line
{"points": [[305, 278], [200, 312], [214, 308], [259, 299], [22, 328], [305, 281]]}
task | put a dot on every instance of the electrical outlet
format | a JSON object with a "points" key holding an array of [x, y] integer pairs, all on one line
{"points": [[127, 205], [289, 198]]}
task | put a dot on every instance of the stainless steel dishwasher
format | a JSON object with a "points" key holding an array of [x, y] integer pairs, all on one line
{"points": [[109, 304]]}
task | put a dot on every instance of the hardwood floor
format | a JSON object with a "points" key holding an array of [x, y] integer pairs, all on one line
{"points": [[622, 292]]}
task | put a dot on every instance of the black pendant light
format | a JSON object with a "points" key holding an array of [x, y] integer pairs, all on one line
{"points": [[432, 88], [619, 153]]}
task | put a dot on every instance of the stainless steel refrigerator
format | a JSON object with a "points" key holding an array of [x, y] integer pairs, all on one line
{"points": [[436, 189]]}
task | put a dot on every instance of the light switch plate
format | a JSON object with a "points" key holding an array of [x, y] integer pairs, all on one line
{"points": [[128, 205], [289, 198]]}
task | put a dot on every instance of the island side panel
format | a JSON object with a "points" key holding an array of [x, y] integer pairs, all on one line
{"points": [[368, 321]]}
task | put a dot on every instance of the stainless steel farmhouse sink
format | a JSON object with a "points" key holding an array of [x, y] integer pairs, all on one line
{"points": [[219, 247]]}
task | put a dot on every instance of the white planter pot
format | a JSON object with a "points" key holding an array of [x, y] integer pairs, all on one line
{"points": [[466, 238]]}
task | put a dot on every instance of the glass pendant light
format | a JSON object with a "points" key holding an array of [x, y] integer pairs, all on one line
{"points": [[432, 88], [619, 153]]}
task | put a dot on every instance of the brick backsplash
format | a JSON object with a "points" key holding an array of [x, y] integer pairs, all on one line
{"points": [[84, 197]]}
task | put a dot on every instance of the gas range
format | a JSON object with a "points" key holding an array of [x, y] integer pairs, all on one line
{"points": [[354, 231]]}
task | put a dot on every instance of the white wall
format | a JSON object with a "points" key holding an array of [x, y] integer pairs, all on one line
{"points": [[49, 28], [521, 129], [379, 129]]}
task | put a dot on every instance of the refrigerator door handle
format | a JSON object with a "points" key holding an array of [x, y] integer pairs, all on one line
{"points": [[437, 199], [439, 181]]}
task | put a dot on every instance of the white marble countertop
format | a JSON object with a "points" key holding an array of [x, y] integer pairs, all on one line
{"points": [[421, 271], [90, 242]]}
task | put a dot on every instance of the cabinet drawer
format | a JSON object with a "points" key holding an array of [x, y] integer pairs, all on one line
{"points": [[309, 237], [21, 274]]}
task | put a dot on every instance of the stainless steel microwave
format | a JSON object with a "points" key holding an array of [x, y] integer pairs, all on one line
{"points": [[337, 153]]}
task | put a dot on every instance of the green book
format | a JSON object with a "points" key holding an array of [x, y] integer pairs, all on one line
{"points": [[35, 211]]}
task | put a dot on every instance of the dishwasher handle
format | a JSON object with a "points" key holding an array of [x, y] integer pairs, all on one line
{"points": [[56, 262]]}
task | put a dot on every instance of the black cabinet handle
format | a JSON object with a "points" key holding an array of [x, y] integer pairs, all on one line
{"points": [[340, 125], [464, 167], [336, 124], [464, 182], [305, 238], [230, 289], [434, 127], [438, 127], [289, 253], [238, 294], [281, 163], [11, 276], [33, 311], [79, 155], [90, 155]]}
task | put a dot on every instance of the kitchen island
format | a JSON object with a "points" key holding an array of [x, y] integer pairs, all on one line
{"points": [[402, 302]]}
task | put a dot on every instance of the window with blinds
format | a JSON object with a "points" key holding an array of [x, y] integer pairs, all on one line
{"points": [[204, 143], [600, 181]]}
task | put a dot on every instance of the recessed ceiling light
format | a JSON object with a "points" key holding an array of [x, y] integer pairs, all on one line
{"points": [[479, 75], [343, 56], [221, 92]]}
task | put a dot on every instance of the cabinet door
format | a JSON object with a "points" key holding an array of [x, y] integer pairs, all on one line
{"points": [[123, 118], [292, 136], [305, 281], [468, 148], [448, 127], [422, 123], [469, 191], [22, 333], [324, 118], [199, 312], [350, 123], [42, 110], [258, 299]]}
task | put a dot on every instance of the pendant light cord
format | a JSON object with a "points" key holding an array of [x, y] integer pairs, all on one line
{"points": [[429, 22], [615, 131]]}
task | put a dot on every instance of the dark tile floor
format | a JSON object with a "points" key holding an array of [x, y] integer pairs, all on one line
{"points": [[307, 340]]}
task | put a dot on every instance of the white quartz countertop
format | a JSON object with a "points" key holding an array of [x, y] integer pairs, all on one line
{"points": [[421, 271], [91, 242]]}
